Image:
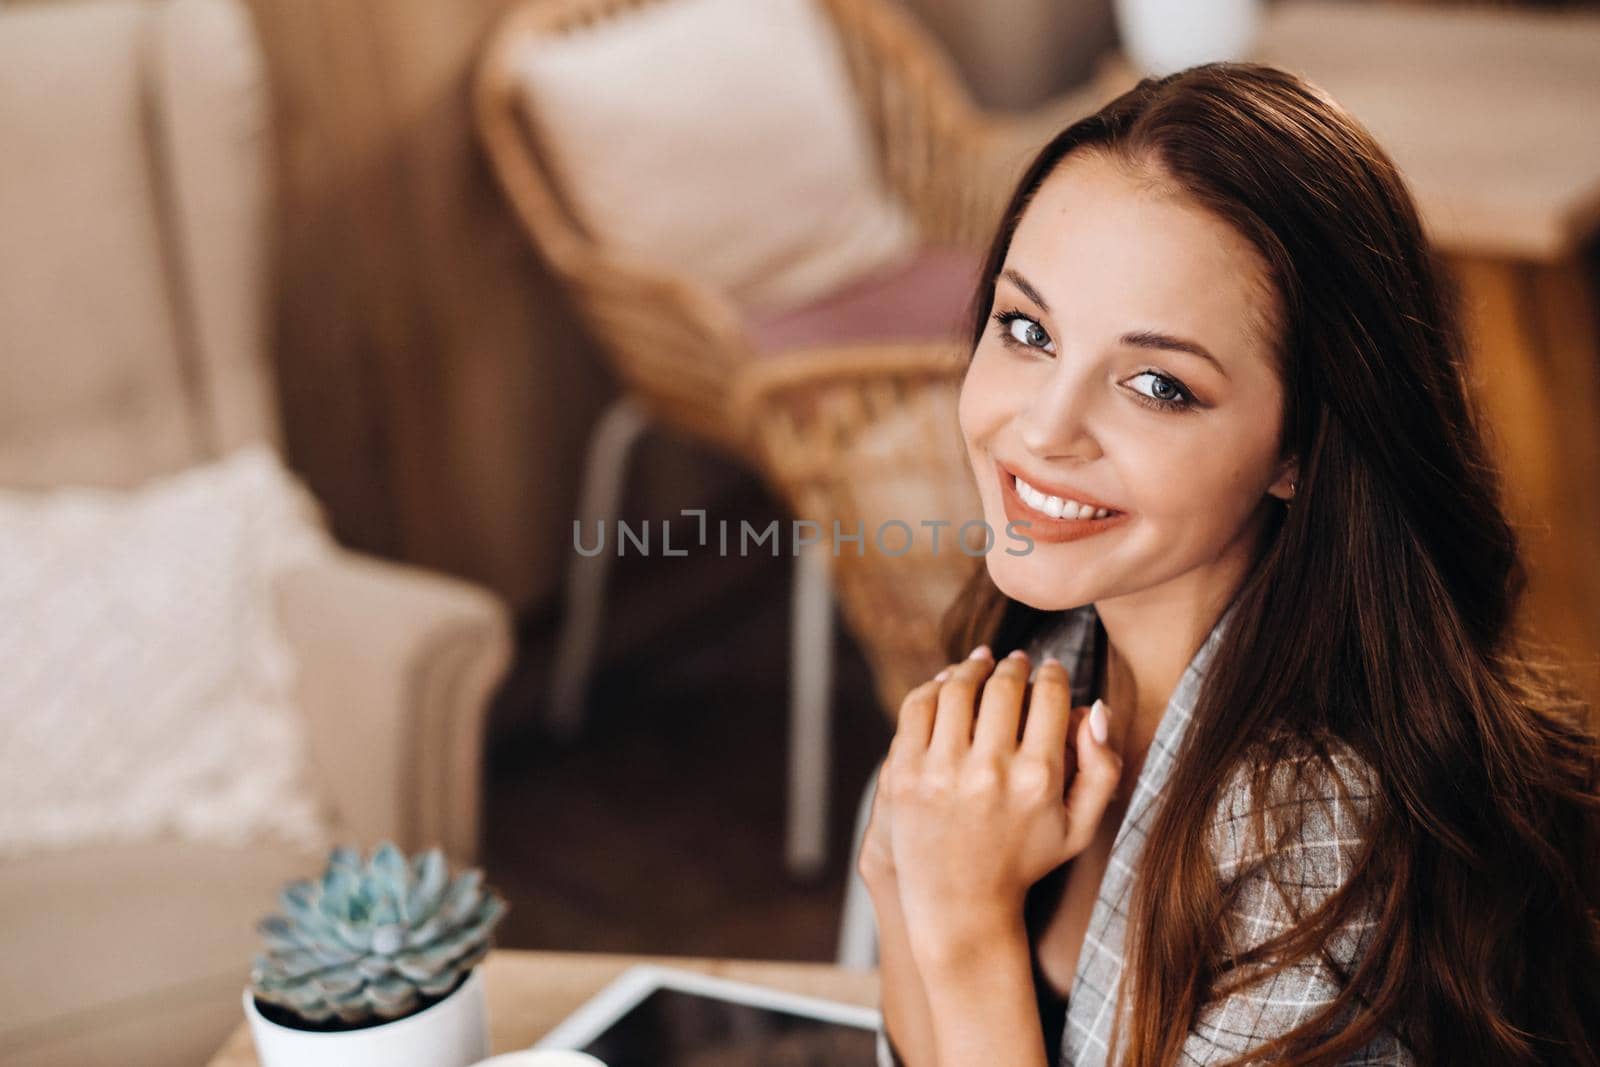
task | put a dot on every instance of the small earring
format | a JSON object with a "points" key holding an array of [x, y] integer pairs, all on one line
{"points": [[1288, 501]]}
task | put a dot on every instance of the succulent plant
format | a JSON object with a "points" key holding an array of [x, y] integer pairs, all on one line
{"points": [[372, 942]]}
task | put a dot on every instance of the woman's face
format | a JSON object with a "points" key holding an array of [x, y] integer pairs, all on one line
{"points": [[1128, 364]]}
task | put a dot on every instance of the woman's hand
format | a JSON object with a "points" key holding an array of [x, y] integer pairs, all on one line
{"points": [[875, 861], [976, 816]]}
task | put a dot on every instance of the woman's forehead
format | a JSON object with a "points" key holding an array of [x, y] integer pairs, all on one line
{"points": [[1098, 237]]}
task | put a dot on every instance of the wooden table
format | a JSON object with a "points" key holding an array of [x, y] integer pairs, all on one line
{"points": [[1491, 117], [530, 992]]}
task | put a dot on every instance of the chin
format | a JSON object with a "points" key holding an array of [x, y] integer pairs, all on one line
{"points": [[1028, 580]]}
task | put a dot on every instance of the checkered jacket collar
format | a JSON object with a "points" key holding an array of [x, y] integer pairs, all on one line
{"points": [[1091, 1000]]}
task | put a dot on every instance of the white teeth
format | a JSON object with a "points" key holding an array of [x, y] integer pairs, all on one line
{"points": [[1055, 506]]}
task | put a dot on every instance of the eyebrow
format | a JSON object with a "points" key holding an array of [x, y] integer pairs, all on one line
{"points": [[1152, 339], [1027, 289], [1137, 339]]}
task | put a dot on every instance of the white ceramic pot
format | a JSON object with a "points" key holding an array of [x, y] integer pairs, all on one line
{"points": [[1163, 36], [452, 1033]]}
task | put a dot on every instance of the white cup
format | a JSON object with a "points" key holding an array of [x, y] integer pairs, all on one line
{"points": [[541, 1058]]}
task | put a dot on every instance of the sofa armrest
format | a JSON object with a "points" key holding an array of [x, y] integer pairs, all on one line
{"points": [[397, 666]]}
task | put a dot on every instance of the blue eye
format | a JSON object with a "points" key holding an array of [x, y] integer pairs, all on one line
{"points": [[1020, 329], [1166, 393]]}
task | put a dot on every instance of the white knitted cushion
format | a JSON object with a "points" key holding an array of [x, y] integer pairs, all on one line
{"points": [[147, 688], [720, 139]]}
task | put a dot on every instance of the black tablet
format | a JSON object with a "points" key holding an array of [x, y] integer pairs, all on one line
{"points": [[652, 1016]]}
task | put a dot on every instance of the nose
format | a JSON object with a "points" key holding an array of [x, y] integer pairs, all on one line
{"points": [[1055, 422]]}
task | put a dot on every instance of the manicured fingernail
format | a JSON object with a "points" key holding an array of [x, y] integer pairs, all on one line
{"points": [[980, 652], [1097, 721], [1017, 653], [942, 675], [1048, 660]]}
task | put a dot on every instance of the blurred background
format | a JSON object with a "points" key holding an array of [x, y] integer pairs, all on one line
{"points": [[322, 323]]}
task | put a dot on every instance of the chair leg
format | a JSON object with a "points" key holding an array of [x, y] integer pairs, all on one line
{"points": [[604, 473], [858, 926], [810, 690]]}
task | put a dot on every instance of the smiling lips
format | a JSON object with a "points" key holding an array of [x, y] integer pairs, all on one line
{"points": [[1049, 517]]}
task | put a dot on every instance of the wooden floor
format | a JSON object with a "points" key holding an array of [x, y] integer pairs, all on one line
{"points": [[660, 829]]}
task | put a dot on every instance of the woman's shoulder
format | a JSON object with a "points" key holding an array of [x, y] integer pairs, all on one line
{"points": [[1310, 800], [1312, 803]]}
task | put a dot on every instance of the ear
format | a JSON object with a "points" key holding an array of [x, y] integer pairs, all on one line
{"points": [[1282, 487]]}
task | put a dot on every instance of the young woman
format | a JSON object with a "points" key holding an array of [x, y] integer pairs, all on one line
{"points": [[1329, 807]]}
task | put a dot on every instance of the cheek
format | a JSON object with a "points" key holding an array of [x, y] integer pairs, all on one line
{"points": [[981, 406], [1206, 486]]}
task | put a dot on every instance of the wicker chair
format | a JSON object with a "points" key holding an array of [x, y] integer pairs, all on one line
{"points": [[679, 347], [868, 438]]}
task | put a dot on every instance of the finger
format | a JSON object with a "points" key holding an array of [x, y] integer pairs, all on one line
{"points": [[1049, 712], [1069, 750], [1000, 708], [1092, 788], [958, 696], [914, 726], [878, 815]]}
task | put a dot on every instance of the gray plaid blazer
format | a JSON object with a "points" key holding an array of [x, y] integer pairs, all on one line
{"points": [[1316, 865]]}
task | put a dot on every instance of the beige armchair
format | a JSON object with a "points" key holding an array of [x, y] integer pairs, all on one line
{"points": [[133, 278]]}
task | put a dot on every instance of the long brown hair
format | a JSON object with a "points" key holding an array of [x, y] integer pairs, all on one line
{"points": [[1380, 614]]}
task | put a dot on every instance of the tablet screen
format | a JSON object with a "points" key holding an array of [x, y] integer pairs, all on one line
{"points": [[674, 1028]]}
